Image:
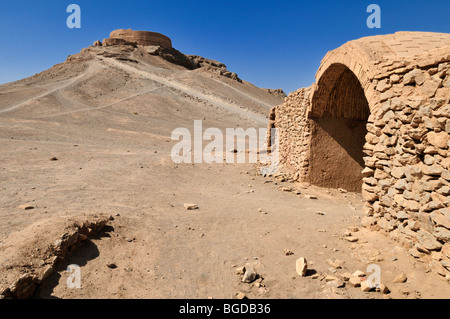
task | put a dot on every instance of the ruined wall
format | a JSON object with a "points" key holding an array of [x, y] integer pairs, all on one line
{"points": [[405, 168]]}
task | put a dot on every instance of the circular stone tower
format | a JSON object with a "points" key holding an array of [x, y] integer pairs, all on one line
{"points": [[142, 37]]}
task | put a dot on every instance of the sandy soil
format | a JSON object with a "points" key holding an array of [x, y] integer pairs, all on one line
{"points": [[92, 136]]}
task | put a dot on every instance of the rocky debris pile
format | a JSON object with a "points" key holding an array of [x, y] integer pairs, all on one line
{"points": [[406, 181], [191, 206], [357, 279], [56, 252]]}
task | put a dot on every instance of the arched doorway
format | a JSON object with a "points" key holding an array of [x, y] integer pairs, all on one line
{"points": [[338, 116]]}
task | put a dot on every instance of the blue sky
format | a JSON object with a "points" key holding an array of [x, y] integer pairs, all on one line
{"points": [[273, 44]]}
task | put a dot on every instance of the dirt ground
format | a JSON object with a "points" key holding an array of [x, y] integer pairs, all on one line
{"points": [[94, 138]]}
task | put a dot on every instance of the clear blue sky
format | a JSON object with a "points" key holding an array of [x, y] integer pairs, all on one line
{"points": [[273, 44]]}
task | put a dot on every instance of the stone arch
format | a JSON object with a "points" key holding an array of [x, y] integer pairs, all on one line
{"points": [[338, 117]]}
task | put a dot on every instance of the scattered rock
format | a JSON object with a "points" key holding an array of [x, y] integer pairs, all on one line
{"points": [[26, 207], [249, 275], [47, 272], [359, 273], [383, 289], [337, 264], [366, 287], [353, 229], [346, 276], [190, 206], [400, 279], [262, 211], [352, 239], [240, 270], [288, 252], [310, 196], [112, 265], [331, 278], [241, 295], [301, 266]]}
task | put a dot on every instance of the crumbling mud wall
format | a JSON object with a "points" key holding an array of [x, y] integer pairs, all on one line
{"points": [[377, 121]]}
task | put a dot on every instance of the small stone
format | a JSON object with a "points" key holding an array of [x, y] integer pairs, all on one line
{"points": [[249, 275], [26, 207], [301, 266], [446, 249], [346, 276], [337, 264], [262, 211], [353, 229], [240, 270], [47, 272], [330, 278], [190, 206], [112, 265], [359, 273], [365, 287], [352, 239], [354, 281], [287, 252], [437, 267], [400, 279], [241, 295], [383, 289], [310, 196], [54, 159], [320, 213]]}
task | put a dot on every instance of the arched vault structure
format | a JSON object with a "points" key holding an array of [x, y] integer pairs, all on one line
{"points": [[377, 121]]}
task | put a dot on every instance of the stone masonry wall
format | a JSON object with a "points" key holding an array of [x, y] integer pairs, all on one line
{"points": [[294, 133], [406, 181]]}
